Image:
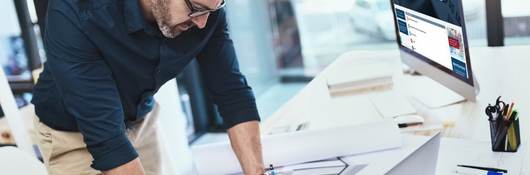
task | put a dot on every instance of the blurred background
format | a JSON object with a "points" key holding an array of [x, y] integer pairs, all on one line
{"points": [[281, 44]]}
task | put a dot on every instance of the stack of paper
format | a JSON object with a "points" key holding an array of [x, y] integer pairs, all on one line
{"points": [[303, 146], [368, 76]]}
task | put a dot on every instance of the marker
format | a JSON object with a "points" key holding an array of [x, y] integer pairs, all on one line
{"points": [[484, 168]]}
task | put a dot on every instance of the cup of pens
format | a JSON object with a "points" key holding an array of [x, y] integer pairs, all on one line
{"points": [[504, 126]]}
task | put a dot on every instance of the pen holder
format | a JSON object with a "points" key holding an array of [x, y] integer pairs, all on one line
{"points": [[505, 135]]}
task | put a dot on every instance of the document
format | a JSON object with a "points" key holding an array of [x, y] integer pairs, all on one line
{"points": [[303, 146], [333, 166]]}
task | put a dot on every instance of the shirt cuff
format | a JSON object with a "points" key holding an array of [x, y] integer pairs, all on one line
{"points": [[112, 153], [240, 116]]}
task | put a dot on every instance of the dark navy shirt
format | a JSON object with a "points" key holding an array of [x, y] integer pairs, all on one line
{"points": [[105, 62]]}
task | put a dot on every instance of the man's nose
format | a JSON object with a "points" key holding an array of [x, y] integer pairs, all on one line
{"points": [[200, 21]]}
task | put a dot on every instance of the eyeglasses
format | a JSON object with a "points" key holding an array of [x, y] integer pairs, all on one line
{"points": [[199, 11]]}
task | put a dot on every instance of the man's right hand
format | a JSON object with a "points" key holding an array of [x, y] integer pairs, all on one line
{"points": [[133, 167]]}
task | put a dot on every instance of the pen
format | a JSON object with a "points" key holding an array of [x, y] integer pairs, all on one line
{"points": [[270, 170], [277, 171], [404, 125], [484, 168], [510, 110]]}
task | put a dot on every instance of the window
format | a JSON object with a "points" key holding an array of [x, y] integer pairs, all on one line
{"points": [[12, 52], [18, 46], [329, 28], [516, 21]]}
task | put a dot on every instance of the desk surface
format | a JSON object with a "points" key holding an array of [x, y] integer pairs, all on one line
{"points": [[467, 119], [15, 161], [27, 113]]}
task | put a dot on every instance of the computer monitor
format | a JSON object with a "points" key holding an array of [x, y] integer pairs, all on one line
{"points": [[431, 36]]}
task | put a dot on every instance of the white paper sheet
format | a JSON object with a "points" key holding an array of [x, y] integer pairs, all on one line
{"points": [[392, 104], [416, 150], [303, 146], [330, 166]]}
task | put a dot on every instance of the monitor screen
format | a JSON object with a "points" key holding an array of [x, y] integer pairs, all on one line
{"points": [[434, 31]]}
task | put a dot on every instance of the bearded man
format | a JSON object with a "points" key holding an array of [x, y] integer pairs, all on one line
{"points": [[105, 61]]}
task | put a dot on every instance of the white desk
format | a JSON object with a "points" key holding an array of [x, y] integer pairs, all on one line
{"points": [[15, 161], [466, 121], [414, 151]]}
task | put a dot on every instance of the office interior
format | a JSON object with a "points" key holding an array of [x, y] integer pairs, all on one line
{"points": [[286, 48]]}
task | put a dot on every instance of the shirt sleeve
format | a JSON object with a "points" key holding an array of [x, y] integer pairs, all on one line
{"points": [[88, 90], [226, 84]]}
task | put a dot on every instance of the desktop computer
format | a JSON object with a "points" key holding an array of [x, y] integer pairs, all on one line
{"points": [[432, 40]]}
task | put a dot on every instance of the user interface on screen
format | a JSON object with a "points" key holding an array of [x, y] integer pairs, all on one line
{"points": [[434, 30]]}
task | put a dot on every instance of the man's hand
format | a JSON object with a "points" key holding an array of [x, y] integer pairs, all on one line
{"points": [[246, 143], [133, 167]]}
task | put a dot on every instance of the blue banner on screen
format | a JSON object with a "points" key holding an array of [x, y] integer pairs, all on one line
{"points": [[400, 14], [459, 67], [403, 27]]}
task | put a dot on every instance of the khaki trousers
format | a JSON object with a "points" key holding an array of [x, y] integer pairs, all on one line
{"points": [[65, 153]]}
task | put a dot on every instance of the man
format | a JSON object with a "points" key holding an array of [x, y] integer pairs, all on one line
{"points": [[106, 59]]}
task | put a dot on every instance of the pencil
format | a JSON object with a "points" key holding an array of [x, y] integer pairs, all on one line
{"points": [[510, 110]]}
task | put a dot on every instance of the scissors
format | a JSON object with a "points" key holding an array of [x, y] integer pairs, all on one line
{"points": [[493, 111]]}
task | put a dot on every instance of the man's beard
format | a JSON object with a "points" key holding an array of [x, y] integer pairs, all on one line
{"points": [[162, 17]]}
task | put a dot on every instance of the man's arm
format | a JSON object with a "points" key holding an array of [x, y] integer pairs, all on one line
{"points": [[88, 91], [133, 167], [245, 141], [233, 96]]}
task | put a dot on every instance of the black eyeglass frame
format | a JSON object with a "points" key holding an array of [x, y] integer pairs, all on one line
{"points": [[195, 12]]}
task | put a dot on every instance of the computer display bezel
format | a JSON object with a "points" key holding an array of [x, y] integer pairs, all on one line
{"points": [[470, 79]]}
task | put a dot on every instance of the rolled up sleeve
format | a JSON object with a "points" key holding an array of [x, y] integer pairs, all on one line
{"points": [[88, 90], [225, 82]]}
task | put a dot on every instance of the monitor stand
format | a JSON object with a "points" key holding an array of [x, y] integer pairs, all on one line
{"points": [[431, 93]]}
